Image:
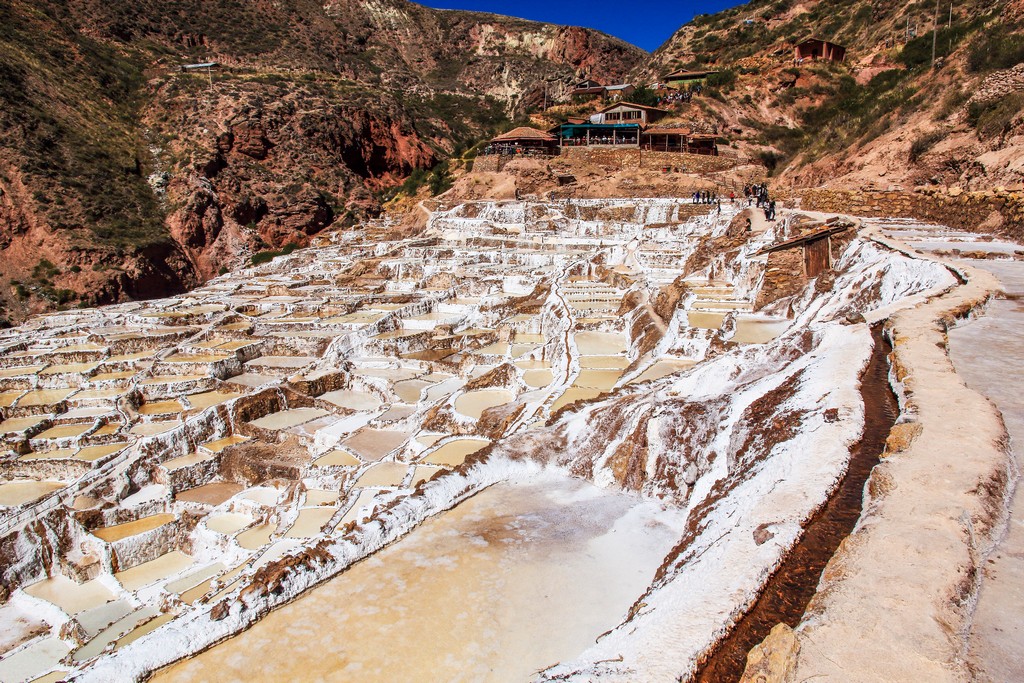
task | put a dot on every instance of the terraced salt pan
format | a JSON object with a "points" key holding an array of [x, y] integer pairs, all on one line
{"points": [[44, 397], [218, 445], [210, 398], [257, 537], [30, 662], [195, 578], [320, 497], [309, 522], [705, 320], [71, 596], [161, 408], [133, 528], [353, 400], [160, 569], [152, 428], [473, 403], [759, 330], [455, 452], [193, 458], [663, 368], [111, 634], [21, 424], [228, 522], [70, 368], [374, 444], [337, 458], [526, 576], [250, 379], [20, 370], [93, 453], [288, 418], [280, 362], [213, 493], [393, 374], [573, 394], [538, 378], [19, 492], [384, 474], [264, 495], [409, 390], [423, 473], [597, 379], [600, 343]]}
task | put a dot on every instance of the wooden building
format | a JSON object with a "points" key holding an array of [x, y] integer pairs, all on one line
{"points": [[617, 92], [523, 140], [587, 88], [665, 139], [816, 246], [628, 112], [815, 48], [605, 92]]}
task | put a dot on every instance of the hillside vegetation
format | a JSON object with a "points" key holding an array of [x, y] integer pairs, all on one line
{"points": [[133, 178], [885, 116]]}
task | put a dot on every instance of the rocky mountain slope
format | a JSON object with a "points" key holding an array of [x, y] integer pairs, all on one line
{"points": [[122, 176], [886, 116]]}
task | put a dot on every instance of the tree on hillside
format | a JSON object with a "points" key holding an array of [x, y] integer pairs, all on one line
{"points": [[645, 96]]}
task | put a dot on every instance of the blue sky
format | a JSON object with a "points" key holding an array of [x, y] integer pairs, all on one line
{"points": [[645, 24]]}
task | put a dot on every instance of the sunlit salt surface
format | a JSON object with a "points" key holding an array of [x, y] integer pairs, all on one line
{"points": [[600, 343], [309, 522], [759, 330], [19, 492], [474, 403], [133, 528], [455, 452], [663, 368], [228, 522], [510, 581]]}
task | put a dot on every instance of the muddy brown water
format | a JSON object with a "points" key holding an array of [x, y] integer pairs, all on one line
{"points": [[790, 589]]}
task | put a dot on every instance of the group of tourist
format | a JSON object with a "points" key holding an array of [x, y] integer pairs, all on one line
{"points": [[757, 194], [513, 149], [706, 197], [683, 96]]}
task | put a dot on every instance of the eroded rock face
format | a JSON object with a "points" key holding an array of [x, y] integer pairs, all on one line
{"points": [[312, 110]]}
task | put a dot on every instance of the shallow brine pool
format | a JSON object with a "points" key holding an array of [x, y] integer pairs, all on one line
{"points": [[515, 579]]}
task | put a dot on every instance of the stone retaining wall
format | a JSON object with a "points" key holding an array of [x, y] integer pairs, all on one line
{"points": [[632, 157], [624, 157], [1000, 211]]}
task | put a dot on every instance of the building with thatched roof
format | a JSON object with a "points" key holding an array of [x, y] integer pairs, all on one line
{"points": [[523, 140]]}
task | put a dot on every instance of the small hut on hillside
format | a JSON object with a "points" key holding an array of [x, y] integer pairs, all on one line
{"points": [[684, 78], [523, 140], [816, 247], [815, 48]]}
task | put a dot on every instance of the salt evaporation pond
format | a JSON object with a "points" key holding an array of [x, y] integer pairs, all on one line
{"points": [[474, 403], [517, 578]]}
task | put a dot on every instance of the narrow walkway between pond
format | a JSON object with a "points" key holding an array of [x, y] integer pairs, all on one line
{"points": [[989, 354]]}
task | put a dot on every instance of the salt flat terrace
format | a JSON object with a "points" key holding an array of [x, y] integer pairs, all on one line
{"points": [[162, 459]]}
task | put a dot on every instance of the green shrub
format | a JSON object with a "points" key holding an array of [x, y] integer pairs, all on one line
{"points": [[996, 49], [769, 159], [992, 119], [923, 143]]}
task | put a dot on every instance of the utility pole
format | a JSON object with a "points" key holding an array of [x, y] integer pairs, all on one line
{"points": [[950, 24], [935, 31]]}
